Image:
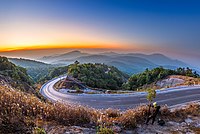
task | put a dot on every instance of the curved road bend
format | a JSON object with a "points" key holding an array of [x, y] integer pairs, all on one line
{"points": [[171, 97]]}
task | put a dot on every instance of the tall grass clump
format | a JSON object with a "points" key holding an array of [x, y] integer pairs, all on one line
{"points": [[20, 109], [132, 117], [192, 109]]}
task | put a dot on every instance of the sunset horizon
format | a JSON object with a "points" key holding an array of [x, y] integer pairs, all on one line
{"points": [[127, 26], [99, 66]]}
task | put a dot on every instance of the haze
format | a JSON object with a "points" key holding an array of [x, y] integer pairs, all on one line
{"points": [[36, 28]]}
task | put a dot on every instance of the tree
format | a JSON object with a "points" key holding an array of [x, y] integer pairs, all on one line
{"points": [[151, 94], [196, 75], [76, 62]]}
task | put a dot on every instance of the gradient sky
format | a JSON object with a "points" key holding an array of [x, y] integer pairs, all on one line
{"points": [[169, 27]]}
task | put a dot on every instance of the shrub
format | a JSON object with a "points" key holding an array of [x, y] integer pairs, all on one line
{"points": [[132, 117], [112, 113]]}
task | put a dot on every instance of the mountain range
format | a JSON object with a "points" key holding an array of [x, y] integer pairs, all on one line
{"points": [[27, 63], [129, 63]]}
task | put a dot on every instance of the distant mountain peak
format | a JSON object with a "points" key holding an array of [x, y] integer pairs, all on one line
{"points": [[75, 51], [66, 56], [159, 54], [109, 53]]}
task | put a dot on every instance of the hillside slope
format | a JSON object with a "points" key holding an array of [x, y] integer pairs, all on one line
{"points": [[15, 75], [144, 79], [35, 69], [27, 63], [98, 75]]}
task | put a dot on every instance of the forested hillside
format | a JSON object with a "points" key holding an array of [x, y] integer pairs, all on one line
{"points": [[54, 72], [150, 76], [15, 75], [26, 63], [98, 75], [39, 71], [35, 69]]}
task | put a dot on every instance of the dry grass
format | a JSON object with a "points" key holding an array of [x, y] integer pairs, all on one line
{"points": [[132, 117], [19, 108], [21, 112], [187, 80], [112, 113], [180, 114]]}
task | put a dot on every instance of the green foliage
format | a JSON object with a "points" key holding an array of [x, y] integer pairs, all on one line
{"points": [[105, 130], [39, 71], [17, 74], [38, 130], [150, 76], [151, 94], [54, 72], [26, 63], [98, 75], [187, 72], [35, 69]]}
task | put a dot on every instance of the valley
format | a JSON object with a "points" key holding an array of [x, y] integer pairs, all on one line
{"points": [[112, 94], [99, 67]]}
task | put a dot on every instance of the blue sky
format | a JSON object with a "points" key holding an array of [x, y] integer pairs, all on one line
{"points": [[171, 27]]}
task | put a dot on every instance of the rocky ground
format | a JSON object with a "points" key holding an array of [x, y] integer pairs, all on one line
{"points": [[191, 125]]}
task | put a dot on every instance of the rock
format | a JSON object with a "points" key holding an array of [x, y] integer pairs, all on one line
{"points": [[80, 130], [183, 124], [197, 125], [173, 123], [188, 121], [116, 129], [129, 132], [161, 122]]}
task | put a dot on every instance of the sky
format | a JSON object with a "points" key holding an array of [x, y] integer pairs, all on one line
{"points": [[171, 27]]}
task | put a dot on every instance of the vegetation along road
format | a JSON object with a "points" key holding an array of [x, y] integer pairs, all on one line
{"points": [[170, 96]]}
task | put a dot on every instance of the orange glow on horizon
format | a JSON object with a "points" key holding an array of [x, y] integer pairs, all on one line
{"points": [[65, 46], [33, 35]]}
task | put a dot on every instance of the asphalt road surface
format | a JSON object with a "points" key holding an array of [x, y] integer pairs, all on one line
{"points": [[170, 96]]}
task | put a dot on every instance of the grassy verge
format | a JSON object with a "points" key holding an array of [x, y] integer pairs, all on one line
{"points": [[21, 112]]}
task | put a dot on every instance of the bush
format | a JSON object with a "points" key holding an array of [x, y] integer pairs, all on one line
{"points": [[132, 117], [112, 113]]}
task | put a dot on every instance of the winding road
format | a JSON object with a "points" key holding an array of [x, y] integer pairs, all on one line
{"points": [[170, 96]]}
